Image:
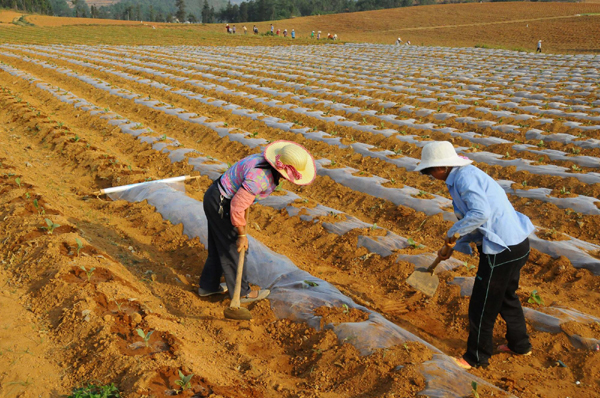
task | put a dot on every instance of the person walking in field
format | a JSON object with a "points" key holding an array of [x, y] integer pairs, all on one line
{"points": [[312, 34], [278, 31], [227, 28], [233, 29], [272, 28], [398, 41], [487, 218], [318, 35], [255, 30], [245, 30], [539, 47], [226, 205], [293, 34]]}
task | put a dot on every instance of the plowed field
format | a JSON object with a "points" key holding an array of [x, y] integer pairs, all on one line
{"points": [[80, 273]]}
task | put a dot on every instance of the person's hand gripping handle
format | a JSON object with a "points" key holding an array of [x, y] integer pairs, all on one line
{"points": [[445, 252]]}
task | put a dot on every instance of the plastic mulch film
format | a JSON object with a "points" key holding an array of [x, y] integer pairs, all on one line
{"points": [[549, 320], [293, 298], [576, 251]]}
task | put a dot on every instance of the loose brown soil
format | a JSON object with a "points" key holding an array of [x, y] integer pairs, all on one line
{"points": [[64, 329]]}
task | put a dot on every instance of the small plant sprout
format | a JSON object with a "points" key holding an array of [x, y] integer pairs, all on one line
{"points": [[564, 191], [163, 137], [184, 381], [535, 298], [374, 227], [468, 266], [311, 283], [18, 181], [346, 308], [414, 244], [145, 336], [27, 196], [79, 245], [474, 389], [88, 272], [50, 226], [575, 168]]}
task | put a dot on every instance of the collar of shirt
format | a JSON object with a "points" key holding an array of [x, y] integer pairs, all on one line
{"points": [[452, 176]]}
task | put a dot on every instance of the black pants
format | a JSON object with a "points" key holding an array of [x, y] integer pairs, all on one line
{"points": [[494, 292], [222, 250], [538, 50]]}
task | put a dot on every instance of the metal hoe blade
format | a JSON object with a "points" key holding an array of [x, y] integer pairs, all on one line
{"points": [[424, 281]]}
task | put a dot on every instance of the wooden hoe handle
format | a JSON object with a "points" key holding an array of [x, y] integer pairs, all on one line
{"points": [[447, 249]]}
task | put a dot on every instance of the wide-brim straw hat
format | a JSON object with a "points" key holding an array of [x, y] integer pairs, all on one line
{"points": [[440, 154], [295, 155]]}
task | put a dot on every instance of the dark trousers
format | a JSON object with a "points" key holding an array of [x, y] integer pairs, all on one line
{"points": [[538, 50], [222, 250], [494, 292]]}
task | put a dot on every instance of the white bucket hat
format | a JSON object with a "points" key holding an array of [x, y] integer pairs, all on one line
{"points": [[440, 154], [292, 160]]}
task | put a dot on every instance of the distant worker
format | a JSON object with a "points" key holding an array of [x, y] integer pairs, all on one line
{"points": [[255, 30], [272, 28], [398, 41], [293, 34], [335, 36], [278, 31], [539, 47], [285, 33], [233, 29], [329, 36], [408, 42], [245, 30], [227, 28], [318, 35], [312, 34]]}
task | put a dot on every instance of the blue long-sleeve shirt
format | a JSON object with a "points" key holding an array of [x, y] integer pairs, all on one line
{"points": [[484, 212]]}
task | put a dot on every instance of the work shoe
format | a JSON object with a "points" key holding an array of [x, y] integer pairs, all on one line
{"points": [[205, 293], [262, 294], [461, 362], [504, 348]]}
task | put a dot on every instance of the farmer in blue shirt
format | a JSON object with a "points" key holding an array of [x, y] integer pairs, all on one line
{"points": [[487, 218]]}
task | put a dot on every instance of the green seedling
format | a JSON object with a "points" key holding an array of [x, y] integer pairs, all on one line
{"points": [[474, 389], [564, 191], [346, 309], [374, 227], [184, 381], [27, 196], [36, 204], [279, 188], [79, 245], [18, 181], [76, 139], [88, 272], [414, 244], [145, 336], [535, 298], [541, 143], [254, 134], [163, 137], [311, 283], [575, 168], [422, 193], [468, 266], [50, 226], [92, 391], [507, 155], [524, 183]]}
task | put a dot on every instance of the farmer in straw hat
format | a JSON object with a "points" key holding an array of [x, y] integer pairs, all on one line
{"points": [[226, 204], [487, 218]]}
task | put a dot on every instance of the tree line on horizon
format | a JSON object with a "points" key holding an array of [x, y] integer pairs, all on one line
{"points": [[212, 11]]}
